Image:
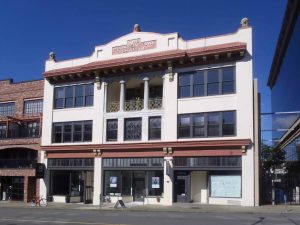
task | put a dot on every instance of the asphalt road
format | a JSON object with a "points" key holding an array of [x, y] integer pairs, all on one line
{"points": [[44, 216]]}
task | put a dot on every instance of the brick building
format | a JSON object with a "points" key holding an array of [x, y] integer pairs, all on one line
{"points": [[21, 107]]}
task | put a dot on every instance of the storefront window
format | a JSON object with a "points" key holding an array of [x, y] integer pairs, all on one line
{"points": [[155, 183], [113, 182], [225, 186], [60, 182], [126, 182]]}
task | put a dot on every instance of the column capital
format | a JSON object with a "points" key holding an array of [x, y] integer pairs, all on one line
{"points": [[122, 81], [146, 79]]}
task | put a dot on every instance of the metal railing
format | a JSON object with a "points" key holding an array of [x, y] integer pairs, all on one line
{"points": [[20, 133], [135, 105], [17, 163]]}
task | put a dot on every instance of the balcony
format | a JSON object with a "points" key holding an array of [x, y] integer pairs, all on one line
{"points": [[135, 105]]}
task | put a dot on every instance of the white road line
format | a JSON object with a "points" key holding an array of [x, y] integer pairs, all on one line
{"points": [[59, 222]]}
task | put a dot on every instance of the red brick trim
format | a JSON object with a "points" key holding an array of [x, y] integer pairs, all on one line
{"points": [[17, 172]]}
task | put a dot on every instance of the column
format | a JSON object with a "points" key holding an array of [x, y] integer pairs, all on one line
{"points": [[105, 96], [97, 180], [146, 93], [122, 95], [168, 181], [25, 197]]}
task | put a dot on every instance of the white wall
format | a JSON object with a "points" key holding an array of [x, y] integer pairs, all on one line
{"points": [[199, 186]]}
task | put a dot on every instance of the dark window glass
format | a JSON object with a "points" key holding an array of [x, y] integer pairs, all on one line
{"points": [[33, 129], [7, 109], [69, 97], [3, 128], [199, 84], [184, 126], [79, 96], [228, 82], [133, 129], [77, 132], [89, 94], [155, 183], [213, 124], [112, 130], [72, 131], [198, 125], [213, 82], [184, 85], [228, 126], [88, 130], [154, 128]]}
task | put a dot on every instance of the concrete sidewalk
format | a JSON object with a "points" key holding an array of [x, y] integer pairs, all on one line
{"points": [[176, 207]]}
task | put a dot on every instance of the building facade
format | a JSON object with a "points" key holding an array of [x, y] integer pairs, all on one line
{"points": [[153, 118], [21, 106], [284, 84]]}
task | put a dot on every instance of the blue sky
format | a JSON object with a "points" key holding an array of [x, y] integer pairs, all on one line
{"points": [[30, 29]]}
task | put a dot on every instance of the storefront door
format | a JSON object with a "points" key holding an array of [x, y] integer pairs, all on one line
{"points": [[88, 187], [138, 189], [183, 188]]}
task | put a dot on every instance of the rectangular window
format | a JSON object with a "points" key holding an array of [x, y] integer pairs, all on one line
{"points": [[79, 131], [154, 128], [7, 109], [207, 82], [212, 124], [133, 129], [226, 186], [33, 107], [74, 96], [33, 129], [3, 128], [112, 130]]}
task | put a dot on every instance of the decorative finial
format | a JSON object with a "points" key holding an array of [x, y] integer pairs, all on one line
{"points": [[245, 22], [136, 28], [52, 56]]}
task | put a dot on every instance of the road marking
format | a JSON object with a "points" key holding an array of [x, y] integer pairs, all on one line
{"points": [[59, 222]]}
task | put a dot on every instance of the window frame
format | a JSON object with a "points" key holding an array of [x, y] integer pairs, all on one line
{"points": [[62, 133], [34, 109], [191, 117], [7, 108], [112, 120], [133, 118], [151, 128], [73, 97], [220, 83]]}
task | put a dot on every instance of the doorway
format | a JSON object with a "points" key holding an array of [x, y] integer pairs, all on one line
{"points": [[183, 188], [138, 186]]}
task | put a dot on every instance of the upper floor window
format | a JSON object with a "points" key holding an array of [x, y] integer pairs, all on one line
{"points": [[78, 131], [74, 96], [212, 124], [33, 129], [207, 82], [112, 130], [133, 129], [154, 127], [7, 109], [33, 107]]}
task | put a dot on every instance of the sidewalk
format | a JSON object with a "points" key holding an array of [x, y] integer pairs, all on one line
{"points": [[176, 207]]}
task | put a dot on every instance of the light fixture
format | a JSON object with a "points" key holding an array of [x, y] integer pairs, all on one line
{"points": [[170, 150], [165, 150], [97, 81]]}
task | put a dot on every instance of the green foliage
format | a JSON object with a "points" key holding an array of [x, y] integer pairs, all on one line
{"points": [[271, 157]]}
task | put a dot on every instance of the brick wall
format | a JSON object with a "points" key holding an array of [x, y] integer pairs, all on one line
{"points": [[18, 92]]}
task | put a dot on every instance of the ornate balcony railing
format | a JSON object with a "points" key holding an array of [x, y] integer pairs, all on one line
{"points": [[155, 103], [134, 105], [113, 107]]}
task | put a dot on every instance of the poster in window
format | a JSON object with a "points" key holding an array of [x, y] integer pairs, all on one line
{"points": [[113, 181], [228, 186], [155, 182]]}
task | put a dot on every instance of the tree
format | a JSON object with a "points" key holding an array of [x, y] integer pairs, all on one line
{"points": [[271, 157]]}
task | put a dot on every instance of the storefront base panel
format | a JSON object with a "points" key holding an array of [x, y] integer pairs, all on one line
{"points": [[59, 199], [225, 201], [125, 199]]}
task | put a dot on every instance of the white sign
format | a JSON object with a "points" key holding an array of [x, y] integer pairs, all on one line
{"points": [[227, 186], [280, 171], [155, 182], [113, 181]]}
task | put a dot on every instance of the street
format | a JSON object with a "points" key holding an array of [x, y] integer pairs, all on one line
{"points": [[19, 216]]}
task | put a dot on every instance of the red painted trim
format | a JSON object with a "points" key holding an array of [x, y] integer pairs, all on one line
{"points": [[148, 58]]}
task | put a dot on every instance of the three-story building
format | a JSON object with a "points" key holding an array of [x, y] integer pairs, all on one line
{"points": [[154, 118]]}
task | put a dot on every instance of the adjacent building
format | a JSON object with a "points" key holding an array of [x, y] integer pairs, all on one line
{"points": [[21, 106], [153, 118], [284, 83]]}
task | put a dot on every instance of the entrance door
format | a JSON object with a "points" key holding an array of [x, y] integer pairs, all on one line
{"points": [[138, 189], [183, 188]]}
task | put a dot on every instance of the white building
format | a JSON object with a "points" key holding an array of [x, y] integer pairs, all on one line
{"points": [[152, 117]]}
